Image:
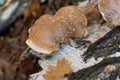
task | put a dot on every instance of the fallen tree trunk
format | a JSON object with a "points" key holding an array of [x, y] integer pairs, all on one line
{"points": [[90, 69], [107, 45], [94, 72]]}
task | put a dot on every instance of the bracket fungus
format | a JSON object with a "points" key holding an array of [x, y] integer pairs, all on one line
{"points": [[92, 13], [49, 31], [110, 10]]}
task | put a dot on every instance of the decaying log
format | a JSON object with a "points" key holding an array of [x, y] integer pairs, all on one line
{"points": [[105, 46], [74, 55], [95, 72]]}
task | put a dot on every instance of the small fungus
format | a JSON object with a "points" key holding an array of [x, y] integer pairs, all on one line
{"points": [[57, 72], [109, 68], [91, 12], [49, 31], [110, 10]]}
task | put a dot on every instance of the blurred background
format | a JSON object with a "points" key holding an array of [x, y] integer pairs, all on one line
{"points": [[16, 16]]}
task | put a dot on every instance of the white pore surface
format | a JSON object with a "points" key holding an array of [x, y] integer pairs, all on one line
{"points": [[36, 48], [73, 55]]}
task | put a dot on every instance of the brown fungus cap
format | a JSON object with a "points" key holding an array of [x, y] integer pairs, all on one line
{"points": [[49, 31], [91, 12], [110, 10]]}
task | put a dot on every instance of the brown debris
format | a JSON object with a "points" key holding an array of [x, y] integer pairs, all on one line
{"points": [[57, 72], [11, 46], [32, 12], [30, 65], [5, 71], [32, 9]]}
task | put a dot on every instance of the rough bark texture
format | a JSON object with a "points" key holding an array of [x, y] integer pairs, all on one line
{"points": [[105, 46], [93, 72]]}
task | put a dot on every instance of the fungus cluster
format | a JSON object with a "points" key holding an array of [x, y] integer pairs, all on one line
{"points": [[49, 31]]}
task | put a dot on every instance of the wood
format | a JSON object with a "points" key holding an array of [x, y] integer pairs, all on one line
{"points": [[93, 72], [105, 46]]}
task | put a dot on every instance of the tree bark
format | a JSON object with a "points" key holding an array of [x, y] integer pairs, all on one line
{"points": [[107, 45]]}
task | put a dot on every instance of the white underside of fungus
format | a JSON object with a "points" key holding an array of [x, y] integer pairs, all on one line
{"points": [[36, 48]]}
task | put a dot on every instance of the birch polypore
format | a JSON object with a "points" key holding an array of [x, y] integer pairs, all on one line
{"points": [[92, 13], [49, 31], [110, 10]]}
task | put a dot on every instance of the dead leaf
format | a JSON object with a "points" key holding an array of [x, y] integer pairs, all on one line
{"points": [[30, 65], [57, 72], [5, 71], [32, 12]]}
